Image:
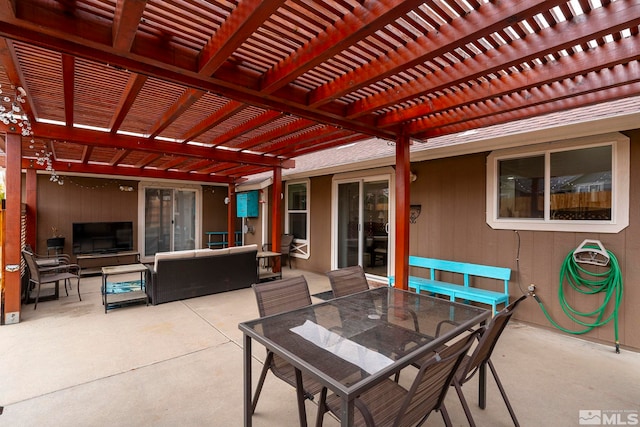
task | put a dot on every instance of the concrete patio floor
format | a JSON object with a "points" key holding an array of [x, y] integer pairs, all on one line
{"points": [[70, 364]]}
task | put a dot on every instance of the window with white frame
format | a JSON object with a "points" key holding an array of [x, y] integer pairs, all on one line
{"points": [[580, 185], [297, 216]]}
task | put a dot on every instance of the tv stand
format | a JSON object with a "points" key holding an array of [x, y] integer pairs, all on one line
{"points": [[91, 264]]}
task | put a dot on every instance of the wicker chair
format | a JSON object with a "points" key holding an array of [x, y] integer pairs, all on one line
{"points": [[482, 356], [42, 275], [390, 404], [273, 298]]}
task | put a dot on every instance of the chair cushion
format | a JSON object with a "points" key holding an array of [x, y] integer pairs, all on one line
{"points": [[211, 252], [173, 255], [245, 248]]}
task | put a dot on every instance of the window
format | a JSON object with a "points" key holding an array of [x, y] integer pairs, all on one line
{"points": [[297, 216], [580, 185]]}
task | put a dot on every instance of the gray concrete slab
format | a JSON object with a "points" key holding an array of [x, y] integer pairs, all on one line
{"points": [[68, 363]]}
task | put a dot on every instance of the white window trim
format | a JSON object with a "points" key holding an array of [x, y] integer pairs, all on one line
{"points": [[141, 214], [301, 247], [620, 187], [365, 175]]}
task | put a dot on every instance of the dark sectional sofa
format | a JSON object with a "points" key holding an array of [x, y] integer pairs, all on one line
{"points": [[187, 274]]}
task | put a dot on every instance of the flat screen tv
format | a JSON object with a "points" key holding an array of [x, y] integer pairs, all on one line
{"points": [[102, 237]]}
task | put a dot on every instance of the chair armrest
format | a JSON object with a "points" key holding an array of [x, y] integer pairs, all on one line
{"points": [[455, 324], [60, 268], [411, 313]]}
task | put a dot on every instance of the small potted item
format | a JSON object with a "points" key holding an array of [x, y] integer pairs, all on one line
{"points": [[56, 241]]}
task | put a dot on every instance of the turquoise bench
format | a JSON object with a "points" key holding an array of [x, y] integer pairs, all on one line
{"points": [[463, 291]]}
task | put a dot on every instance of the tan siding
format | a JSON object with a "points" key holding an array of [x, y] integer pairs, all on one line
{"points": [[82, 200], [452, 226], [214, 210], [320, 222]]}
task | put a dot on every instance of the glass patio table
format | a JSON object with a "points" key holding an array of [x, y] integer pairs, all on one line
{"points": [[352, 343]]}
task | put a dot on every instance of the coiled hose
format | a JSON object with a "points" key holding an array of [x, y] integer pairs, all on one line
{"points": [[590, 283]]}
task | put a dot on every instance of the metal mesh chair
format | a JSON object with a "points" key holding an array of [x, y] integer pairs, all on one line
{"points": [[286, 242], [273, 298], [42, 275], [482, 356], [348, 280], [390, 404]]}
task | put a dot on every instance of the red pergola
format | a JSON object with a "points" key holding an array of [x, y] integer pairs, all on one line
{"points": [[217, 91]]}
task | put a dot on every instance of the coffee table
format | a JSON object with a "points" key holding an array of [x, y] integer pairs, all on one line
{"points": [[126, 292], [274, 261]]}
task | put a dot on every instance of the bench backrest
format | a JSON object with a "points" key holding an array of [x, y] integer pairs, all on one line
{"points": [[464, 268]]}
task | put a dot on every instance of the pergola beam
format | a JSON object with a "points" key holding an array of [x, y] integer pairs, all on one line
{"points": [[103, 139], [82, 168]]}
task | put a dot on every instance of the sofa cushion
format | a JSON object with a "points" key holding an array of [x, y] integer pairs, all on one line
{"points": [[245, 248], [211, 252], [173, 255]]}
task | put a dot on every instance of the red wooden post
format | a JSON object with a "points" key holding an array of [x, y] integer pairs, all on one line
{"points": [[403, 169], [276, 214], [12, 248], [231, 215], [31, 232]]}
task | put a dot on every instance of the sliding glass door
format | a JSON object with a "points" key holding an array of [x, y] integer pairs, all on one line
{"points": [[362, 225], [169, 220]]}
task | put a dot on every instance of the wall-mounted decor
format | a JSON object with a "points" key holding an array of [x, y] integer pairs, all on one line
{"points": [[414, 213]]}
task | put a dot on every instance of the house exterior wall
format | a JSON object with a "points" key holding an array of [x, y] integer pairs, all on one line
{"points": [[95, 200], [451, 192], [452, 226], [320, 225], [214, 211], [83, 200]]}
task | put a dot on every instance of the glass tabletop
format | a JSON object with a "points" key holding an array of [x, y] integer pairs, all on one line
{"points": [[351, 341]]}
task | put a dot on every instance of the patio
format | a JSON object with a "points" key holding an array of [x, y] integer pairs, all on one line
{"points": [[67, 363]]}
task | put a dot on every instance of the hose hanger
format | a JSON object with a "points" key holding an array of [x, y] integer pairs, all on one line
{"points": [[591, 252], [574, 276]]}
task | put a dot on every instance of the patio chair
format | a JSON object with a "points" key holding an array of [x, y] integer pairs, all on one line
{"points": [[273, 298], [286, 244], [42, 275], [48, 260], [347, 280], [390, 404], [56, 262], [482, 356]]}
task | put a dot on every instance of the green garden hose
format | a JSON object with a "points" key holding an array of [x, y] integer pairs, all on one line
{"points": [[590, 283]]}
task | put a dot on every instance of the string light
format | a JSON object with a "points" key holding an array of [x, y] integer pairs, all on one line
{"points": [[44, 159], [11, 112]]}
